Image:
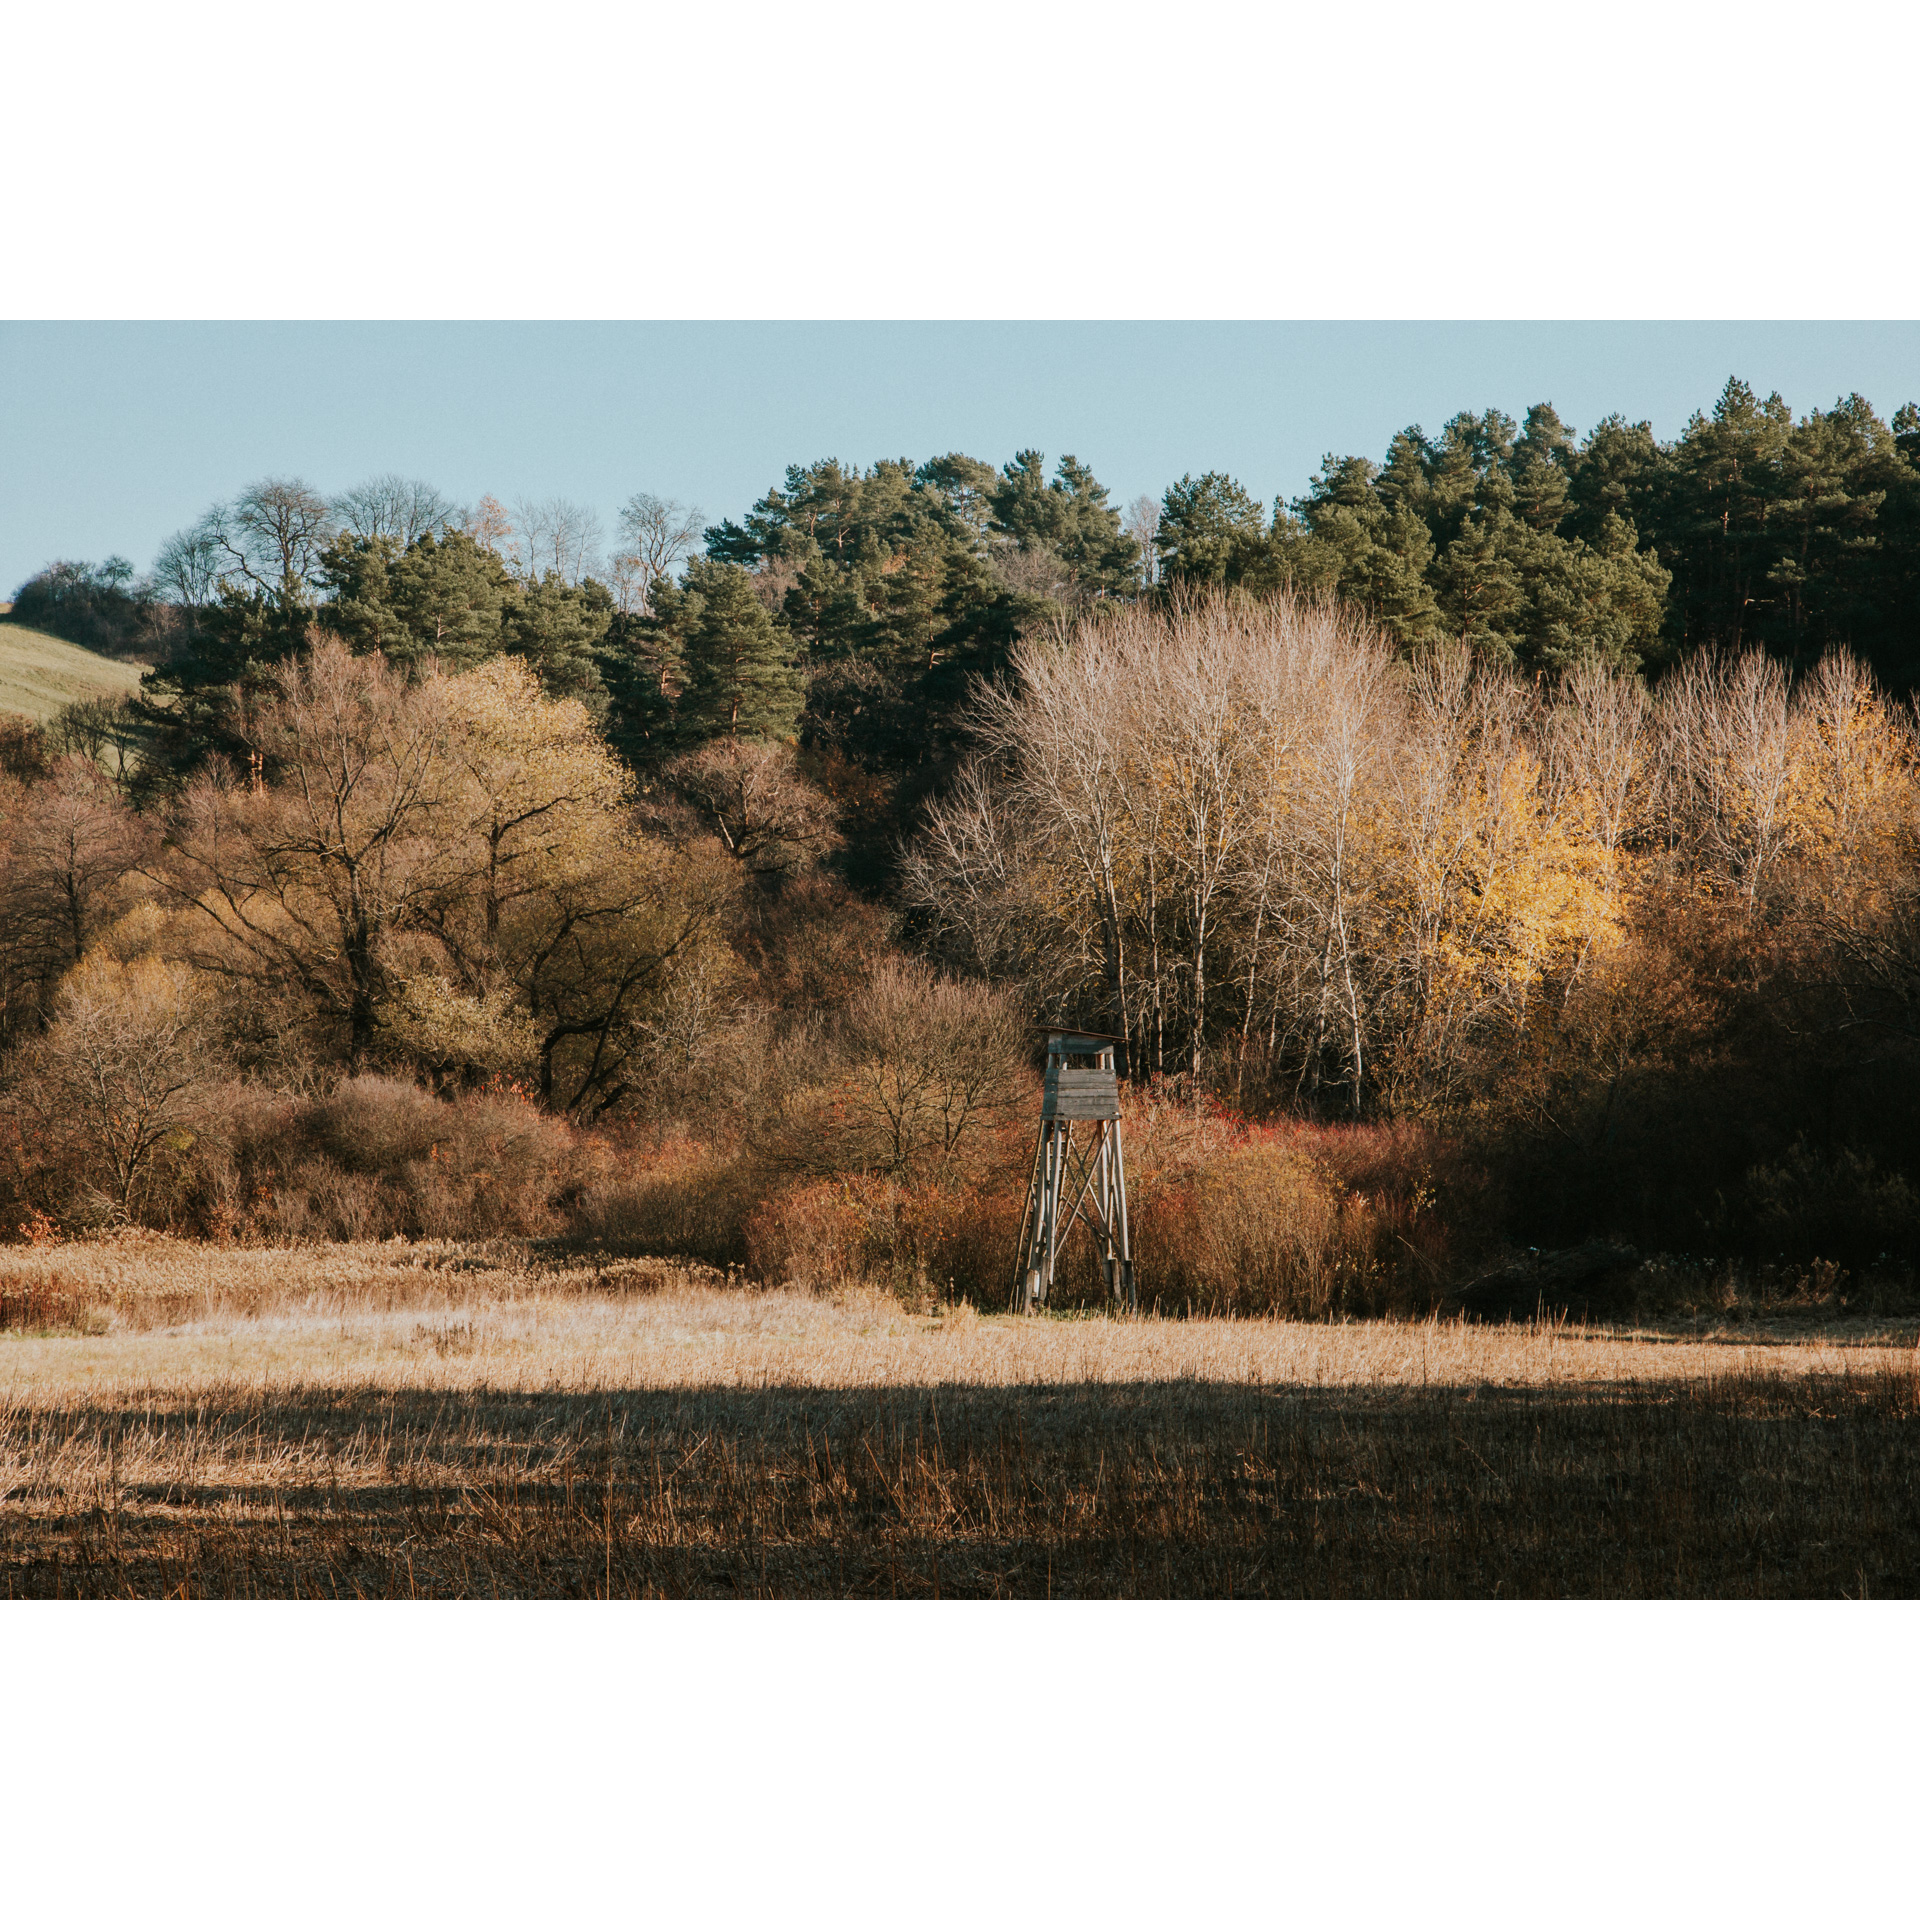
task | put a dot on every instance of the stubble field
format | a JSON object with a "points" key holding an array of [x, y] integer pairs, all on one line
{"points": [[453, 1421]]}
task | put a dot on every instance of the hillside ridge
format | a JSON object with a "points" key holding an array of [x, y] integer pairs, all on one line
{"points": [[41, 673]]}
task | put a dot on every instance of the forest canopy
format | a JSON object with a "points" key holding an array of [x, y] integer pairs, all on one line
{"points": [[1557, 792]]}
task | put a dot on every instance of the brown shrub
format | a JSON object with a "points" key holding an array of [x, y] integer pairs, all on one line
{"points": [[1297, 1221], [379, 1126], [917, 1244], [376, 1158], [1427, 1197], [823, 1236], [813, 945], [684, 1198], [968, 1237], [1255, 1230], [1303, 1221]]}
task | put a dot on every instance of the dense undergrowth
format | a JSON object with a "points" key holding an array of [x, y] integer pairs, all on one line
{"points": [[1421, 1017], [1226, 1216]]}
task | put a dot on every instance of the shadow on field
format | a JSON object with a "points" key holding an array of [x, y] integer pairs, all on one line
{"points": [[1757, 1485]]}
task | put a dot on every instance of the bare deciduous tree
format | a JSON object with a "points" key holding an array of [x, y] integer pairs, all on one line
{"points": [[71, 851], [967, 875], [553, 536], [1599, 736], [1731, 743], [121, 1072], [303, 882], [656, 534], [1142, 520], [272, 536], [1194, 822], [188, 570], [926, 1061], [462, 828], [105, 732], [392, 507], [487, 524], [749, 795], [1032, 570]]}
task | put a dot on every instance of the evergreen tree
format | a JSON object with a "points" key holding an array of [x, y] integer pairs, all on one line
{"points": [[1024, 510], [1887, 626], [965, 487], [1479, 588], [1211, 531], [452, 596], [1469, 475], [355, 574], [1068, 517], [1834, 478], [1540, 470], [1100, 557], [190, 708], [1358, 533], [1469, 535], [1606, 599], [558, 630], [980, 623], [739, 675], [1617, 470], [1726, 485], [444, 596], [642, 671]]}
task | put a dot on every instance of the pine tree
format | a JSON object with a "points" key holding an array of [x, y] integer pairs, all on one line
{"points": [[1364, 539], [739, 677], [1068, 517], [1479, 589], [1617, 470], [1887, 627], [641, 669], [965, 488], [1211, 531], [1540, 469], [357, 573], [442, 596], [452, 594], [1727, 485], [558, 630], [190, 707]]}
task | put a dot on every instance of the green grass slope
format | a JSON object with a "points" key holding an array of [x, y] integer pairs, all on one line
{"points": [[40, 674]]}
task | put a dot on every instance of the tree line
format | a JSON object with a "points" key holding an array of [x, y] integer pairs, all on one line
{"points": [[850, 607], [1751, 528], [1555, 790], [1248, 839]]}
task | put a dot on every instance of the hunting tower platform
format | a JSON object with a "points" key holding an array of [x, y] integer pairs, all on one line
{"points": [[1083, 1178]]}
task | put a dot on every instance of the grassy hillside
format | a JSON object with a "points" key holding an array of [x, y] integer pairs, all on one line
{"points": [[40, 674]]}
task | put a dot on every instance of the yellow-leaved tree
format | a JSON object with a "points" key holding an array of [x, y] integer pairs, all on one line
{"points": [[115, 1089], [444, 871], [567, 912]]}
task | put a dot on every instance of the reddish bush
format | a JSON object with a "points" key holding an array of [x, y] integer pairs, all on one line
{"points": [[824, 1235], [681, 1198], [933, 1242], [375, 1158]]}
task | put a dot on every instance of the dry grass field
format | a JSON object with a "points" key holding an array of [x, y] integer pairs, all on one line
{"points": [[398, 1420], [40, 674]]}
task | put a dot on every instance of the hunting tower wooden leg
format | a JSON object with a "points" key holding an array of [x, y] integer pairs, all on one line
{"points": [[1089, 1186]]}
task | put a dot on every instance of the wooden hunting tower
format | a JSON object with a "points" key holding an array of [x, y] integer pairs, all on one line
{"points": [[1082, 1179]]}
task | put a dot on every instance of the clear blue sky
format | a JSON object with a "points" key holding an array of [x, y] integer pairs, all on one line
{"points": [[112, 435]]}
